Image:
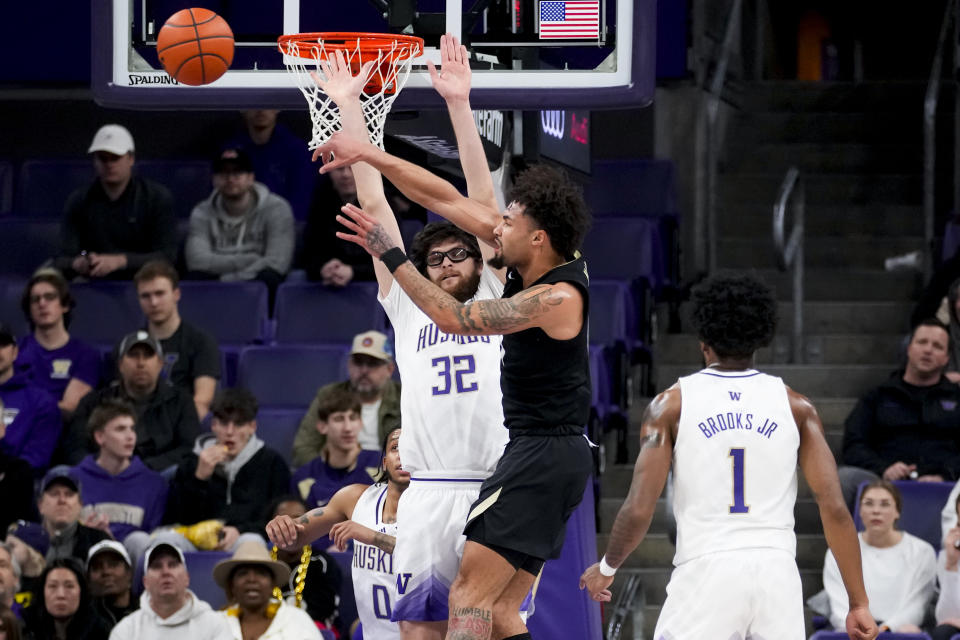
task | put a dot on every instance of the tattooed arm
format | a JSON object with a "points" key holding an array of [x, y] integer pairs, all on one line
{"points": [[649, 476], [344, 532], [292, 533], [555, 308]]}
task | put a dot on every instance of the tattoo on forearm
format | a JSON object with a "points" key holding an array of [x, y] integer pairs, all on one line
{"points": [[509, 313], [652, 440], [384, 542], [314, 513], [470, 623], [379, 240]]}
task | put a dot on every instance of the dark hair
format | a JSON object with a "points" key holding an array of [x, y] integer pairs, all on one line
{"points": [[734, 314], [58, 282], [335, 400], [84, 623], [107, 410], [931, 322], [228, 589], [235, 405], [271, 512], [890, 488], [382, 475], [11, 626], [435, 233], [555, 204], [154, 269]]}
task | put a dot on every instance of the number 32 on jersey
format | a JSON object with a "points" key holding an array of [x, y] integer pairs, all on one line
{"points": [[455, 373]]}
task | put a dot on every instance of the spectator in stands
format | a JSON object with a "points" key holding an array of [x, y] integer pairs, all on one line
{"points": [[341, 461], [949, 314], [168, 609], [191, 356], [9, 580], [110, 575], [909, 426], [369, 369], [29, 543], [63, 610], [322, 578], [64, 366], [242, 231], [30, 414], [167, 421], [115, 484], [899, 569], [114, 226], [948, 576], [248, 579], [280, 159], [9, 625], [230, 477], [60, 506], [16, 485]]}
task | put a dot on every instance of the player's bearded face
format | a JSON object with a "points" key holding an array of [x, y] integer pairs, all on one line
{"points": [[459, 279]]}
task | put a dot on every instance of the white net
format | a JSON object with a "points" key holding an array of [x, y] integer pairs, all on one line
{"points": [[386, 78]]}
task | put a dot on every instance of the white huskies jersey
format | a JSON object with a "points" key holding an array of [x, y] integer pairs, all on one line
{"points": [[450, 399], [734, 464], [374, 583]]}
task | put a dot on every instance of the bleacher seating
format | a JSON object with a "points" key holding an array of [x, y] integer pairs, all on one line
{"points": [[6, 186], [288, 376], [312, 313], [651, 192], [887, 635], [105, 312], [45, 185], [408, 229], [277, 427], [11, 288], [200, 567], [188, 180], [922, 503], [25, 244]]}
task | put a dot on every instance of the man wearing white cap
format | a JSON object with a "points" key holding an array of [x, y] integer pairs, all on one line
{"points": [[114, 226], [168, 609], [369, 368], [110, 576]]}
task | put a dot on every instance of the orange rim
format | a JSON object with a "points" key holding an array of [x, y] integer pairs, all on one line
{"points": [[365, 42]]}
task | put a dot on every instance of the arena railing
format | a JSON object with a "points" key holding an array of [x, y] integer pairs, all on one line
{"points": [[789, 251]]}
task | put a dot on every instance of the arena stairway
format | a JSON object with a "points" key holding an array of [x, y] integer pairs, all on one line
{"points": [[858, 147]]}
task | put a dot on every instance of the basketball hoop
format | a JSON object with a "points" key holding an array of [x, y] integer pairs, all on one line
{"points": [[393, 54]]}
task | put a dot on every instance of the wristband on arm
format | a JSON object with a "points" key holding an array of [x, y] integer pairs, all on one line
{"points": [[606, 569], [393, 258]]}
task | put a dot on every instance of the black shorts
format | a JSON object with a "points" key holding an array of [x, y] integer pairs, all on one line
{"points": [[524, 506]]}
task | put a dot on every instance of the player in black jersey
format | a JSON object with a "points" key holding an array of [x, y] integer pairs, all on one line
{"points": [[520, 518]]}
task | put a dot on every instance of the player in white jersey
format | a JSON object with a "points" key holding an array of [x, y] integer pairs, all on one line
{"points": [[734, 436], [451, 402], [366, 514]]}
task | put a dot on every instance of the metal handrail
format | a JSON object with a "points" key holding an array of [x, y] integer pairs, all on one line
{"points": [[631, 602], [712, 107], [930, 101], [789, 251]]}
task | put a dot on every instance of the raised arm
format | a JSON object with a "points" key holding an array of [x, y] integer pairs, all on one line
{"points": [[820, 471], [649, 477], [287, 533]]}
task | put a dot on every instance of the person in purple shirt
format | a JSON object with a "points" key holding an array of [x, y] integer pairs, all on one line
{"points": [[115, 484], [341, 461], [54, 360], [30, 414]]}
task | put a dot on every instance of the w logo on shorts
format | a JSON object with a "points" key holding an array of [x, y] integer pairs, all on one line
{"points": [[734, 395], [403, 579]]}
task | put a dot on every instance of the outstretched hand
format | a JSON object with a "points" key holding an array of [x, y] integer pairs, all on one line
{"points": [[597, 584], [341, 150], [367, 232], [338, 82], [452, 81]]}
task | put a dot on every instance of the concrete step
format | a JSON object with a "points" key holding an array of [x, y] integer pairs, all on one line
{"points": [[858, 221], [749, 251], [848, 285], [753, 127], [678, 348], [836, 157], [824, 188], [904, 98], [843, 381]]}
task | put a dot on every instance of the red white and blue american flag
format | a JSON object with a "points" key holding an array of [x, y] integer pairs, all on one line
{"points": [[569, 19]]}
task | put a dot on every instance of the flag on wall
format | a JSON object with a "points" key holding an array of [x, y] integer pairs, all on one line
{"points": [[569, 19]]}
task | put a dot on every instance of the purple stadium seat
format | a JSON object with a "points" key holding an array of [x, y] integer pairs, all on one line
{"points": [[200, 567], [922, 503], [842, 635], [11, 288], [651, 192], [625, 249], [277, 427], [288, 376], [609, 308], [188, 180], [232, 312], [25, 244], [408, 229], [105, 312], [45, 185], [6, 186], [313, 313]]}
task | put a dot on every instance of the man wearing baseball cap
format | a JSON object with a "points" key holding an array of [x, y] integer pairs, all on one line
{"points": [[110, 576], [168, 609], [60, 505], [29, 417], [115, 225], [370, 368], [242, 231], [167, 422]]}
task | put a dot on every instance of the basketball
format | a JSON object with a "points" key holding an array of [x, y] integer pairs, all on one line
{"points": [[195, 46]]}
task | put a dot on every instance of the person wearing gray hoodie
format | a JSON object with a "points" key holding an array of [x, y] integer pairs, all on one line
{"points": [[168, 609], [242, 231]]}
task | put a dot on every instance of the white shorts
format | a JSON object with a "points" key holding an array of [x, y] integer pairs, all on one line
{"points": [[751, 594], [430, 519]]}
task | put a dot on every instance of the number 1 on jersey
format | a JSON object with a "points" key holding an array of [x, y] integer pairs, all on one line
{"points": [[739, 505]]}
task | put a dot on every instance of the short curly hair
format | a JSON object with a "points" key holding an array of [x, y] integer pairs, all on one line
{"points": [[734, 314], [55, 279], [435, 233], [555, 204]]}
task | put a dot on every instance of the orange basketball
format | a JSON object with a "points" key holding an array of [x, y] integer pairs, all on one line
{"points": [[195, 46]]}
